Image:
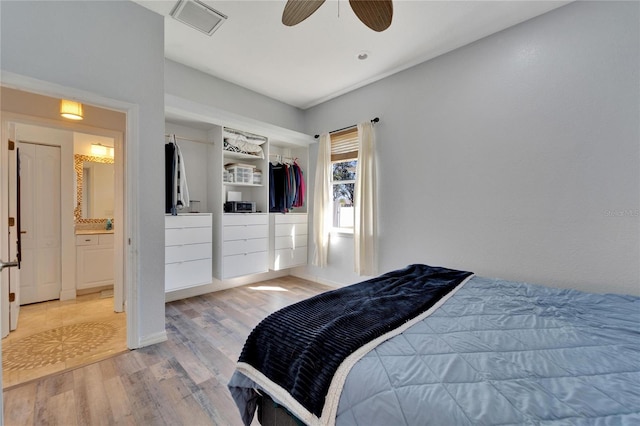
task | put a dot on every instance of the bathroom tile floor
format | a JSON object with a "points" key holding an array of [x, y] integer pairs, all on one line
{"points": [[58, 335]]}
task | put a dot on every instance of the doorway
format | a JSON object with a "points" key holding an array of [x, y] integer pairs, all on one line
{"points": [[66, 293]]}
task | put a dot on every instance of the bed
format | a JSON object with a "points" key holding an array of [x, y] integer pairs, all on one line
{"points": [[471, 350]]}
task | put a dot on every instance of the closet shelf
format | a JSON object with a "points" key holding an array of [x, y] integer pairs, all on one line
{"points": [[240, 155], [241, 184]]}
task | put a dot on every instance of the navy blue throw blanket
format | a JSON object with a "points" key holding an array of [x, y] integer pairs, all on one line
{"points": [[301, 346]]}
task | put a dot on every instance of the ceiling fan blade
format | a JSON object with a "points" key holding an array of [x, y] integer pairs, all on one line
{"points": [[296, 11], [375, 14]]}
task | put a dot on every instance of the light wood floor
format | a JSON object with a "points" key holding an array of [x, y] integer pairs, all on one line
{"points": [[182, 381], [57, 335]]}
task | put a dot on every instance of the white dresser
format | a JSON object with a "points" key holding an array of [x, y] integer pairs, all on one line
{"points": [[288, 237], [245, 244], [188, 250], [94, 260]]}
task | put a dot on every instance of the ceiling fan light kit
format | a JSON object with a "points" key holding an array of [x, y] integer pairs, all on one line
{"points": [[375, 14]]}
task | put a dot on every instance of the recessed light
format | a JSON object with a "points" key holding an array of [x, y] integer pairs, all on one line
{"points": [[362, 55]]}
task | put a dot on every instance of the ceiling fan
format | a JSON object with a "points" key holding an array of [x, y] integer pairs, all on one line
{"points": [[375, 14]]}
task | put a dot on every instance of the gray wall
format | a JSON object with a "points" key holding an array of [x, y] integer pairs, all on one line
{"points": [[114, 49], [514, 157], [196, 86]]}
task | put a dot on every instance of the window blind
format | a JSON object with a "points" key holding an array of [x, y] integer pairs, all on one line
{"points": [[344, 145]]}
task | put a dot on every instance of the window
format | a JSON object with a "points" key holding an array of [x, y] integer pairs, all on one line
{"points": [[344, 159]]}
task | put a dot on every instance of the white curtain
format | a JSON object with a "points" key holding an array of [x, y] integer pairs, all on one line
{"points": [[322, 218], [365, 224]]}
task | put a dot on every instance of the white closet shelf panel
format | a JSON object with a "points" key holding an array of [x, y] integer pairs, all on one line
{"points": [[244, 232], [288, 258], [187, 252], [245, 246], [188, 220], [290, 229], [245, 264], [186, 274], [290, 218], [180, 236], [289, 242], [240, 156], [245, 219]]}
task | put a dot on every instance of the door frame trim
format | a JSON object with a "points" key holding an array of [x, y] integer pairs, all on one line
{"points": [[130, 197]]}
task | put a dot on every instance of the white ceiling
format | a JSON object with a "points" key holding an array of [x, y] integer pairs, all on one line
{"points": [[316, 60]]}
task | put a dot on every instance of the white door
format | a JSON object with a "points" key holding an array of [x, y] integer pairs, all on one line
{"points": [[9, 236], [40, 271]]}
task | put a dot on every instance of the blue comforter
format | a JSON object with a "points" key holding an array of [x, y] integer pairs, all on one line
{"points": [[500, 352]]}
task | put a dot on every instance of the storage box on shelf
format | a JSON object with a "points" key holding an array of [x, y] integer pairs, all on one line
{"points": [[239, 173], [187, 250]]}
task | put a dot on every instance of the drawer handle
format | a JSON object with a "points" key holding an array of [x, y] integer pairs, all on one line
{"points": [[87, 240]]}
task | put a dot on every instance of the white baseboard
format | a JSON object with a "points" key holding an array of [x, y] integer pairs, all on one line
{"points": [[315, 279], [68, 294], [218, 285], [152, 339]]}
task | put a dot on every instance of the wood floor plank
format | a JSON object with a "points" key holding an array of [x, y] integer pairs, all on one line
{"points": [[61, 410], [182, 381], [120, 406], [20, 405]]}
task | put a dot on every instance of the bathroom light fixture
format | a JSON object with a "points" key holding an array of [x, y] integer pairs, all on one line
{"points": [[100, 150], [71, 109]]}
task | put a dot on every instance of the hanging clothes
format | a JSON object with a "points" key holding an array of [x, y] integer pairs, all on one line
{"points": [[175, 178], [286, 187]]}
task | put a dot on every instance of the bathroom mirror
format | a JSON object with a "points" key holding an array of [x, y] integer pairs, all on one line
{"points": [[95, 188]]}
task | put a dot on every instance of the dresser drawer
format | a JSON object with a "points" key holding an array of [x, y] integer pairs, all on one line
{"points": [[290, 242], [187, 274], [180, 236], [187, 221], [245, 246], [105, 239], [290, 229], [245, 264], [87, 240], [244, 232], [187, 252], [290, 218], [245, 219], [287, 258]]}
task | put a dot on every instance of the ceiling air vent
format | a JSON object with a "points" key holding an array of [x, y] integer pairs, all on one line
{"points": [[198, 15]]}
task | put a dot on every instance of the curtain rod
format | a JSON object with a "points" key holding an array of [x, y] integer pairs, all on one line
{"points": [[375, 120]]}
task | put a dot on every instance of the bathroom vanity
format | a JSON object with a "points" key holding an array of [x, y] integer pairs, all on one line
{"points": [[94, 259]]}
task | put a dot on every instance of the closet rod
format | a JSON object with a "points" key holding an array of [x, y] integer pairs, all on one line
{"points": [[375, 120], [166, 135], [283, 157]]}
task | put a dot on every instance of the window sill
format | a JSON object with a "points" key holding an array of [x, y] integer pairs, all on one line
{"points": [[342, 231]]}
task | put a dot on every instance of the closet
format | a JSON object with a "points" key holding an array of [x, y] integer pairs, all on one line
{"points": [[288, 219], [239, 171]]}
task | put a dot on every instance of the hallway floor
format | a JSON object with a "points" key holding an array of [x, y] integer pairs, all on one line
{"points": [[55, 336]]}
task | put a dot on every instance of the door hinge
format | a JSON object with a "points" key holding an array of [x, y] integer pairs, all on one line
{"points": [[12, 221], [12, 145], [12, 297]]}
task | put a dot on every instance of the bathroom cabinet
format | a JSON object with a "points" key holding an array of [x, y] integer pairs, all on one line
{"points": [[94, 260]]}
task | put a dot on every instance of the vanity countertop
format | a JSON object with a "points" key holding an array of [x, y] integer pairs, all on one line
{"points": [[93, 231]]}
